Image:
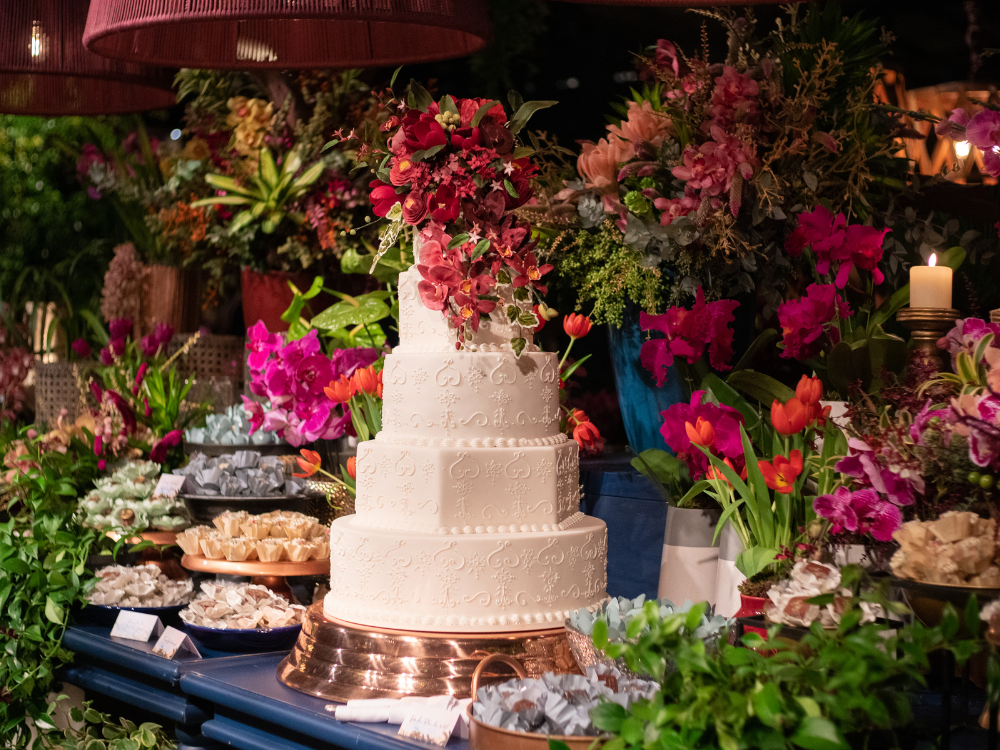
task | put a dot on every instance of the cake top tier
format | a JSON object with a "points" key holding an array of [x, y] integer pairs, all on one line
{"points": [[425, 330]]}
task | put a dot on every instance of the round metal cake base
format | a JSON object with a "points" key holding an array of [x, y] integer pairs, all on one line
{"points": [[340, 661]]}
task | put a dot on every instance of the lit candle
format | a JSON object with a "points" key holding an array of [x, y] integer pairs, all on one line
{"points": [[930, 285]]}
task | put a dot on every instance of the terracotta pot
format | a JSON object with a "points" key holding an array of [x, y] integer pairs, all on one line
{"points": [[267, 295], [751, 605], [170, 296]]}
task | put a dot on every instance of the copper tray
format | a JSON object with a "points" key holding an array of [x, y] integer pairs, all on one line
{"points": [[256, 567], [341, 661]]}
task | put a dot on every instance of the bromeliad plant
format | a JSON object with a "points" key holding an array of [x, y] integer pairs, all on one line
{"points": [[835, 689]]}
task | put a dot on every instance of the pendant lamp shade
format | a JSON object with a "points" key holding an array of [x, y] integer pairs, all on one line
{"points": [[681, 3], [46, 70], [245, 34]]}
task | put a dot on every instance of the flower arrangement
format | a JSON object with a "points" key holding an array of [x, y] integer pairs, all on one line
{"points": [[293, 376], [452, 170], [698, 180], [140, 400]]}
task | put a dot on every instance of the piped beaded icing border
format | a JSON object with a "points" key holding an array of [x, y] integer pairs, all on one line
{"points": [[467, 349], [570, 522], [427, 442]]}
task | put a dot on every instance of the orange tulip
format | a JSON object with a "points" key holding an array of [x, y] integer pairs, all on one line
{"points": [[818, 415], [809, 390], [309, 462], [588, 438], [366, 380], [789, 418], [701, 433], [352, 467], [339, 391], [713, 473], [576, 326], [780, 475]]}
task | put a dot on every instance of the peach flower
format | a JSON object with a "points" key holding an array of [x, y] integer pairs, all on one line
{"points": [[598, 163], [642, 124]]}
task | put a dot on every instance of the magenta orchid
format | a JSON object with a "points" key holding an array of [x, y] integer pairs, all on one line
{"points": [[859, 512], [809, 323], [688, 334], [292, 377], [725, 422], [833, 241], [966, 335]]}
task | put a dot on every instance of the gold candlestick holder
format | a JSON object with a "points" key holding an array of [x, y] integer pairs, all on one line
{"points": [[926, 326]]}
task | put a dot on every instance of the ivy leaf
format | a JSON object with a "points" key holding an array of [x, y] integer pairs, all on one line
{"points": [[518, 345], [54, 613]]}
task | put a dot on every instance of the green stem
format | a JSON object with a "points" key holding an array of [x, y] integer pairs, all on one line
{"points": [[564, 356]]}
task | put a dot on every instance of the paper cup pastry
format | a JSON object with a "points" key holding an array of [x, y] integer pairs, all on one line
{"points": [[321, 548], [211, 547], [256, 528], [190, 541], [228, 523], [270, 550], [239, 550], [299, 550]]}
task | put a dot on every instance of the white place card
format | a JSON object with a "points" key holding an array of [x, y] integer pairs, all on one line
{"points": [[174, 641], [136, 626], [169, 485], [430, 724]]}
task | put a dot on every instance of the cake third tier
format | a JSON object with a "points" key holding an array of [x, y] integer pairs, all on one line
{"points": [[470, 399]]}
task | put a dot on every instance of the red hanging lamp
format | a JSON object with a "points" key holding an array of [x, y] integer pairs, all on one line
{"points": [[680, 3], [46, 70], [246, 34]]}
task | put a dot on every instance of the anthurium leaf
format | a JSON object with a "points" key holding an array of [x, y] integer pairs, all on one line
{"points": [[344, 314], [481, 112], [524, 113], [760, 387]]}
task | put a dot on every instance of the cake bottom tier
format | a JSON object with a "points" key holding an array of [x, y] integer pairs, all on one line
{"points": [[465, 583]]}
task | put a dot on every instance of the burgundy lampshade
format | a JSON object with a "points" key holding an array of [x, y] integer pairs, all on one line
{"points": [[46, 70], [681, 3], [246, 34]]}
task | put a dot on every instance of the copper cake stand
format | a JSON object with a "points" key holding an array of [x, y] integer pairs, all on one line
{"points": [[270, 574], [340, 661]]}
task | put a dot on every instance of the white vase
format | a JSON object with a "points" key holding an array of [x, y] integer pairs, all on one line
{"points": [[690, 559], [728, 578]]}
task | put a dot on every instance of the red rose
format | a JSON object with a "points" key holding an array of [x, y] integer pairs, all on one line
{"points": [[402, 167], [467, 108], [465, 138], [383, 197], [443, 205], [414, 208], [425, 133]]}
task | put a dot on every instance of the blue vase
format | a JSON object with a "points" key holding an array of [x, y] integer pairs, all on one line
{"points": [[638, 397]]}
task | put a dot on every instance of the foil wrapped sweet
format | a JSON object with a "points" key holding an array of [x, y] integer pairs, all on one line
{"points": [[557, 704], [241, 474], [127, 500], [240, 606], [789, 600], [138, 586], [958, 549], [231, 427]]}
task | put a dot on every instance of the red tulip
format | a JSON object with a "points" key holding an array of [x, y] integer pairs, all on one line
{"points": [[309, 462], [780, 475], [809, 390], [789, 418], [366, 380], [713, 473], [352, 467], [576, 326]]}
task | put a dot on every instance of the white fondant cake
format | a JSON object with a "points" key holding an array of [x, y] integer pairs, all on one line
{"points": [[468, 500]]}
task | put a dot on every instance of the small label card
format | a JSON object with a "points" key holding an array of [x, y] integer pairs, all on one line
{"points": [[172, 642], [169, 485], [430, 724], [136, 626]]}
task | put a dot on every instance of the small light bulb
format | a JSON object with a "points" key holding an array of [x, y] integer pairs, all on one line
{"points": [[175, 134], [961, 149]]}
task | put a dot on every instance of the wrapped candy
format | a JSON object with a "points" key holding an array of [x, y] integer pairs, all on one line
{"points": [[126, 500], [139, 586], [241, 474], [231, 427], [557, 704], [958, 549], [789, 599], [240, 606]]}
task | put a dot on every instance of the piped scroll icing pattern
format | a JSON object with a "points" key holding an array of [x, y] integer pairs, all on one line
{"points": [[465, 584]]}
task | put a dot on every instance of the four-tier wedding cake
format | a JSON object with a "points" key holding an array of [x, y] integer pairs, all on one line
{"points": [[468, 516]]}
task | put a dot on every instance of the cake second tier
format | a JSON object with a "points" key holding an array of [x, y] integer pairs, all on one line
{"points": [[470, 398], [465, 584], [463, 490]]}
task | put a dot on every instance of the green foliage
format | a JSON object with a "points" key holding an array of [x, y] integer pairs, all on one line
{"points": [[832, 690], [43, 552], [606, 274], [99, 732], [53, 237]]}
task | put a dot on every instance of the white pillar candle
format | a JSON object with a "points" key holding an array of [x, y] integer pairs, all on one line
{"points": [[930, 285]]}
